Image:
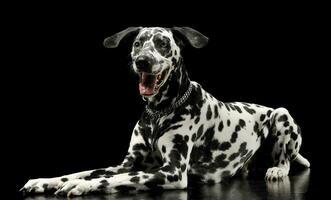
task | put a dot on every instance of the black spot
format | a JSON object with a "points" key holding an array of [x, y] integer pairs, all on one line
{"points": [[64, 179], [209, 113], [190, 127], [180, 144], [224, 146], [294, 136], [176, 177], [124, 188], [227, 107], [237, 128], [170, 178], [262, 117], [207, 155], [233, 156], [287, 132], [269, 113], [249, 110], [45, 185], [186, 138], [220, 161], [283, 162], [242, 149], [212, 167], [283, 118], [157, 180], [226, 173], [242, 123], [104, 184], [196, 153], [135, 179], [234, 137], [109, 174], [168, 168], [216, 111], [197, 120], [121, 170], [256, 127], [133, 173], [200, 131], [145, 176], [296, 145], [209, 135], [286, 124], [214, 144], [231, 106], [200, 168], [278, 133], [237, 108], [220, 126], [175, 157], [193, 137], [280, 145], [164, 149], [228, 122], [95, 174], [180, 175], [183, 167], [135, 132], [235, 164]]}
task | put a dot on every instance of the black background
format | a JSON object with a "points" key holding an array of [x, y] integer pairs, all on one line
{"points": [[73, 104]]}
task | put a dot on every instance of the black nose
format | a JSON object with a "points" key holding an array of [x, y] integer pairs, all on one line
{"points": [[143, 63]]}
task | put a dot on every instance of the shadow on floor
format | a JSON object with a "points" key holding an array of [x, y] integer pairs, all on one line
{"points": [[293, 187]]}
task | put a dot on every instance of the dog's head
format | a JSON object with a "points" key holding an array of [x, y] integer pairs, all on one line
{"points": [[156, 52]]}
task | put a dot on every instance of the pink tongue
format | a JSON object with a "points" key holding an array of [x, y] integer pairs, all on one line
{"points": [[144, 90], [147, 84]]}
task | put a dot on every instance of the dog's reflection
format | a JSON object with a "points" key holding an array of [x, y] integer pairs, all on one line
{"points": [[162, 195], [293, 187]]}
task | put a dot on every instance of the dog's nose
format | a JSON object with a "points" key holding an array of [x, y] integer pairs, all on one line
{"points": [[143, 63]]}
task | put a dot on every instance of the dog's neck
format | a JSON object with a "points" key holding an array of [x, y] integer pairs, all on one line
{"points": [[173, 89]]}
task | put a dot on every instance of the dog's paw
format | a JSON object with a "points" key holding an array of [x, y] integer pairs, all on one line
{"points": [[75, 187], [275, 173], [41, 185]]}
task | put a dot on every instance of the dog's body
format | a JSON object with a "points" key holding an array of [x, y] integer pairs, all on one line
{"points": [[184, 130]]}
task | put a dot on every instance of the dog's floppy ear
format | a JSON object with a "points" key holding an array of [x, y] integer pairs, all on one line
{"points": [[195, 38], [114, 40]]}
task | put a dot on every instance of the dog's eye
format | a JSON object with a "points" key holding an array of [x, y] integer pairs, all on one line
{"points": [[164, 44], [137, 44]]}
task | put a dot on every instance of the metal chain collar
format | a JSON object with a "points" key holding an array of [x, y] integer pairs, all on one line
{"points": [[154, 114]]}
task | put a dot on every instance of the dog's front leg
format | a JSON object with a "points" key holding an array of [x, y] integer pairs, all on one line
{"points": [[175, 150], [132, 160]]}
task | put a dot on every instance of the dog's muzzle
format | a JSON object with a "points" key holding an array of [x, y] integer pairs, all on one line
{"points": [[149, 82]]}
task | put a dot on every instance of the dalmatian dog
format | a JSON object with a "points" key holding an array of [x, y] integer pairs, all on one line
{"points": [[184, 131]]}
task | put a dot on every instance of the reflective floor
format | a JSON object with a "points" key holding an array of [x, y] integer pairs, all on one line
{"points": [[297, 186]]}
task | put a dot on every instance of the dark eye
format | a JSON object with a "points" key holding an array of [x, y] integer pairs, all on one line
{"points": [[137, 44], [164, 44]]}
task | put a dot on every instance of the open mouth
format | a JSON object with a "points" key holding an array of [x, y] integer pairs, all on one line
{"points": [[149, 84]]}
